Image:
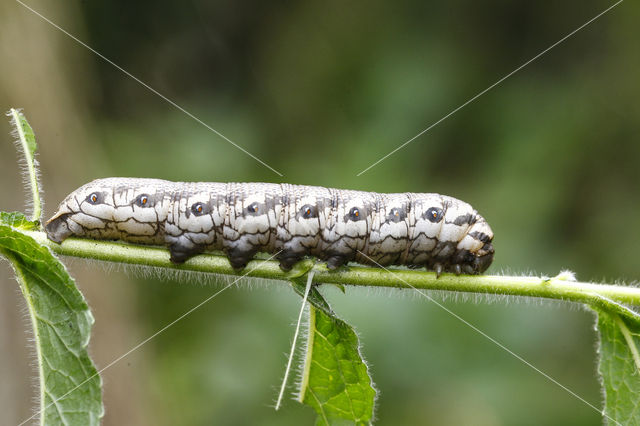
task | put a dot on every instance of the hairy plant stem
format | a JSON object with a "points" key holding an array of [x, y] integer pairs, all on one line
{"points": [[550, 288]]}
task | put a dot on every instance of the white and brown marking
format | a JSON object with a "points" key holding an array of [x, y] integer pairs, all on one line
{"points": [[416, 230]]}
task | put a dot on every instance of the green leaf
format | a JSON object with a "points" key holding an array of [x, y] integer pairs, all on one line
{"points": [[26, 142], [335, 378], [17, 220], [619, 364], [70, 387], [24, 129], [314, 297]]}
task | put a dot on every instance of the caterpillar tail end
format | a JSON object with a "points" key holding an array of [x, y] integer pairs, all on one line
{"points": [[481, 263]]}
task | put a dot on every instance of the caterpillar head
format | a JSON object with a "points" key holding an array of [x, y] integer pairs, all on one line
{"points": [[109, 209]]}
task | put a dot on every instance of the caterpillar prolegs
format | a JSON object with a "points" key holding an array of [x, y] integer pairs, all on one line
{"points": [[434, 231]]}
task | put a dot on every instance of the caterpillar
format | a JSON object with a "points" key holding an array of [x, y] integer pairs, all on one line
{"points": [[434, 231]]}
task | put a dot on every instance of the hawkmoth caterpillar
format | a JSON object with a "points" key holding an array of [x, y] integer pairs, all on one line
{"points": [[434, 231]]}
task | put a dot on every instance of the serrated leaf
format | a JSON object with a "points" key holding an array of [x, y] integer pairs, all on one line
{"points": [[314, 297], [17, 220], [335, 378], [70, 387], [619, 365]]}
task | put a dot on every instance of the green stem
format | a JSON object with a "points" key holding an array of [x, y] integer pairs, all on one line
{"points": [[550, 288]]}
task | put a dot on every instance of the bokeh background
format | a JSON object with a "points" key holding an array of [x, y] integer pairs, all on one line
{"points": [[319, 91]]}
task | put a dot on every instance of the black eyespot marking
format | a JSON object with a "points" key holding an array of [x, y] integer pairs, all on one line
{"points": [[396, 215], [200, 209], [253, 209], [143, 200], [355, 214], [434, 214], [308, 211], [96, 198]]}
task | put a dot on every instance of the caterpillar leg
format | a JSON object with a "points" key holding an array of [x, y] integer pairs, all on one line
{"points": [[181, 252], [239, 257], [335, 261], [438, 268], [288, 259]]}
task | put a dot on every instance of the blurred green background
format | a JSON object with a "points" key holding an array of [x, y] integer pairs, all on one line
{"points": [[319, 91]]}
